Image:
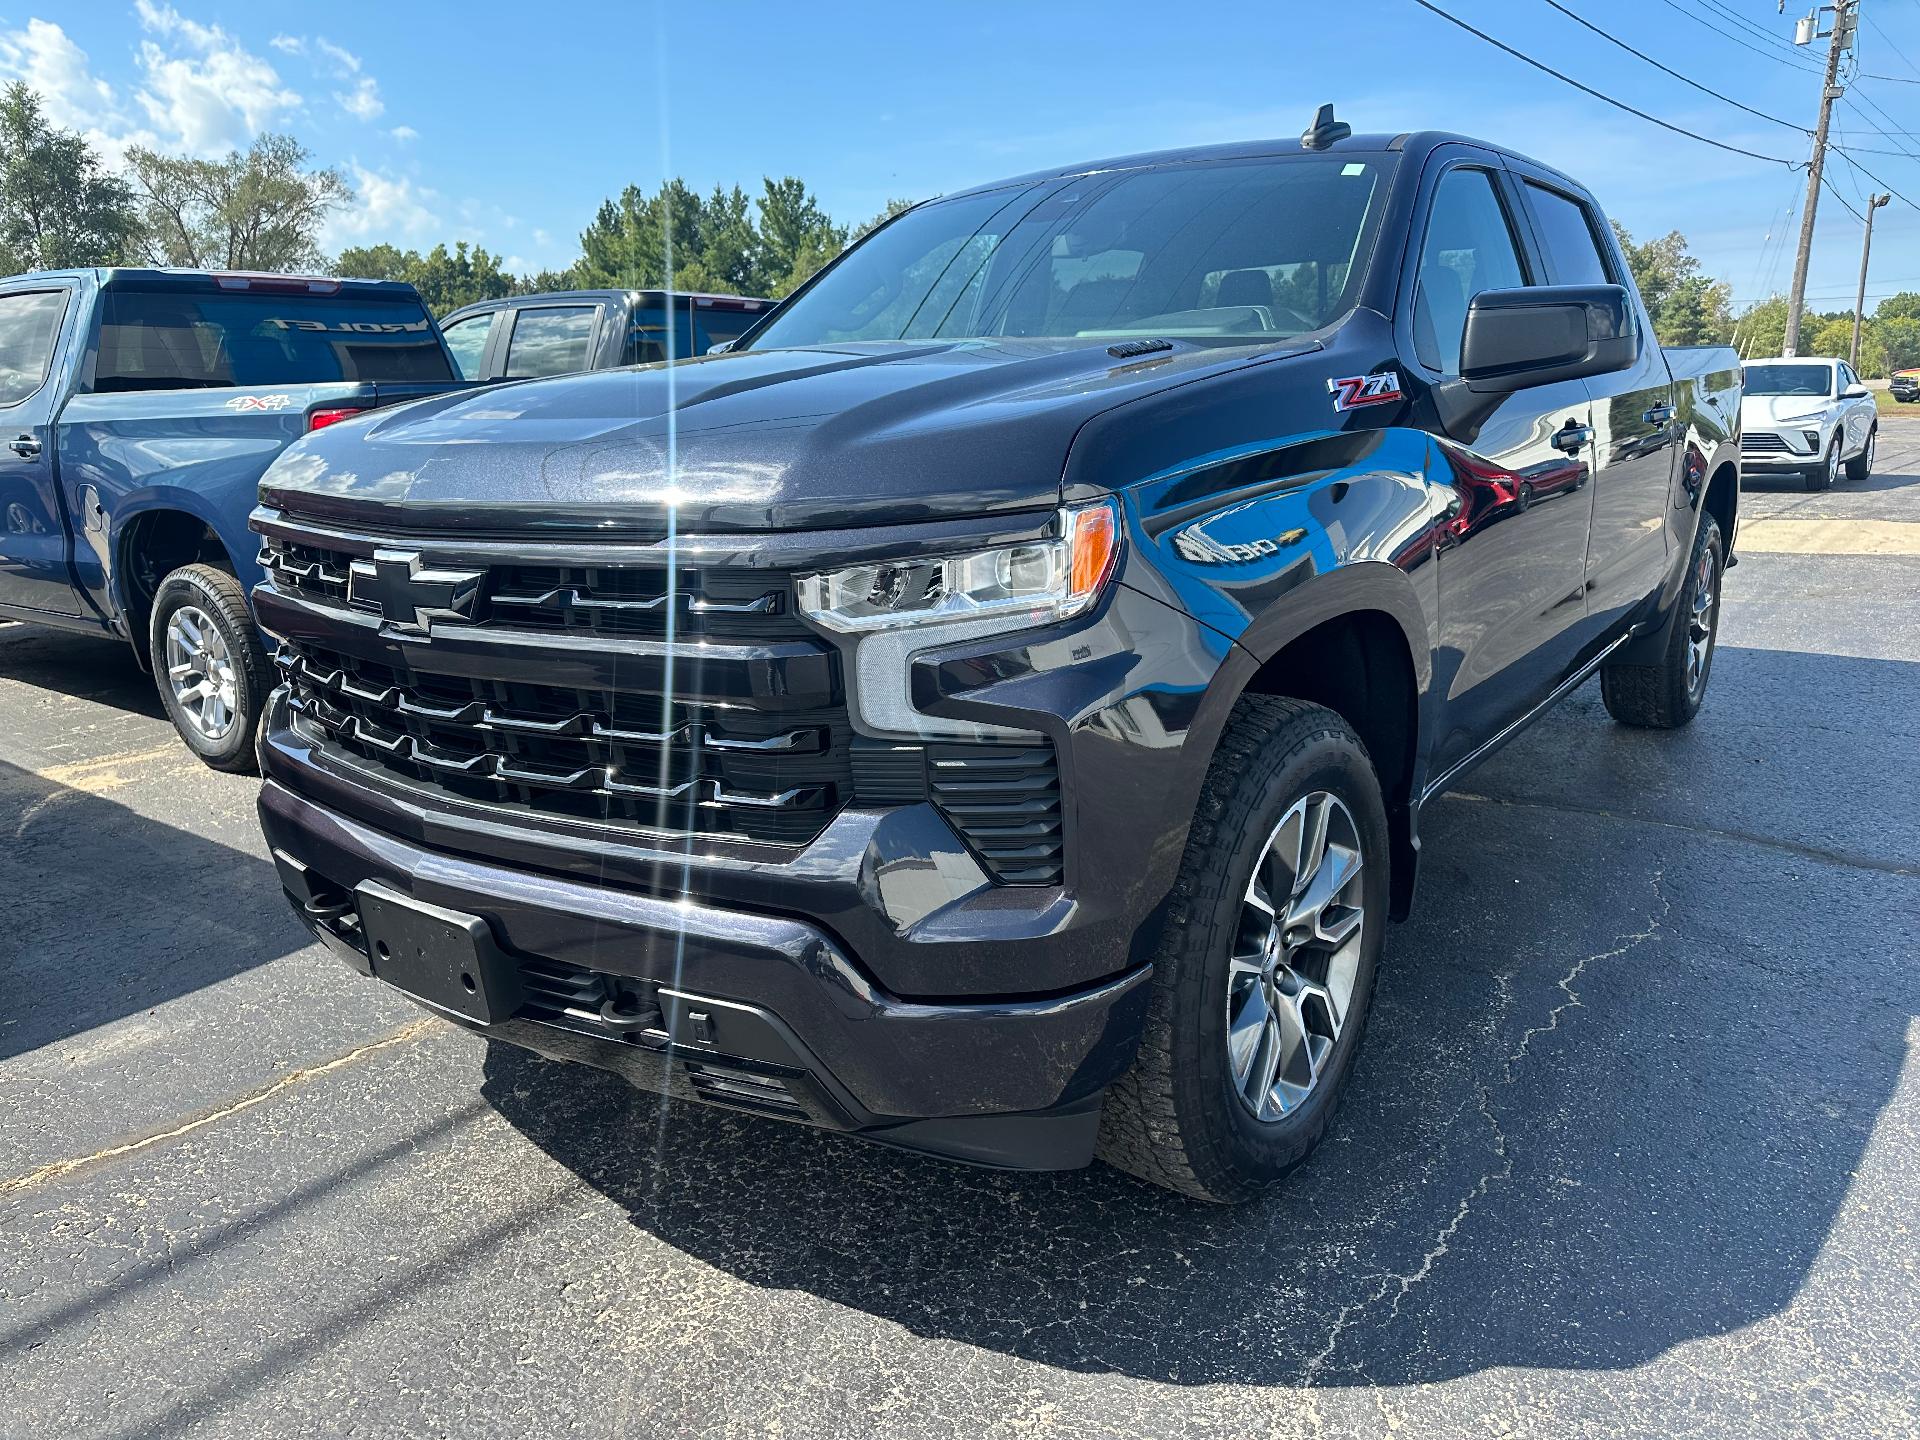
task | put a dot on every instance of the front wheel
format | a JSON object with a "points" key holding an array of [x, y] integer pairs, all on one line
{"points": [[1264, 975], [1861, 466], [210, 664], [1667, 695], [1829, 471]]}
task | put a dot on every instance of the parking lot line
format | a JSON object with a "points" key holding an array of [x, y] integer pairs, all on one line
{"points": [[110, 772], [1782, 536], [40, 1175]]}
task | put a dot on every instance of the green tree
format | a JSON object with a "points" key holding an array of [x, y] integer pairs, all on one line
{"points": [[1903, 305], [796, 237], [1897, 339], [1762, 327], [259, 211], [58, 207], [1687, 306], [446, 279], [893, 208]]}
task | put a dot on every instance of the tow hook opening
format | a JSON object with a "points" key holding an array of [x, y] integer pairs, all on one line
{"points": [[630, 1005]]}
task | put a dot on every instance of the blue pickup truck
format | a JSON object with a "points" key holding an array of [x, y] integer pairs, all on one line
{"points": [[138, 410]]}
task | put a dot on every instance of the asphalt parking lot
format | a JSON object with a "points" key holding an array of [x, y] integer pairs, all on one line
{"points": [[1634, 1146]]}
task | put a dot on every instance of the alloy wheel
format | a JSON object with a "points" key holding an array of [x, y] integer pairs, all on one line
{"points": [[1702, 619], [200, 672], [1297, 952]]}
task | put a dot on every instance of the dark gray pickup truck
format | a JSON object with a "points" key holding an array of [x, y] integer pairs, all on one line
{"points": [[991, 709]]}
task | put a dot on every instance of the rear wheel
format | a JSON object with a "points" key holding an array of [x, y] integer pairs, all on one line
{"points": [[1264, 976], [1861, 466], [1667, 695], [210, 664]]}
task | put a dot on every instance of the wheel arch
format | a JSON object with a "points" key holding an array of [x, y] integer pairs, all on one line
{"points": [[148, 545], [1357, 641]]}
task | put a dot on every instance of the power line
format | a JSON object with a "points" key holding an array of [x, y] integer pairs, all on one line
{"points": [[1745, 24], [1891, 46], [1589, 90], [1700, 19], [1667, 70]]}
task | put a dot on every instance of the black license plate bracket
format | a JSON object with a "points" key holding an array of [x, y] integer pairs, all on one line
{"points": [[447, 958]]}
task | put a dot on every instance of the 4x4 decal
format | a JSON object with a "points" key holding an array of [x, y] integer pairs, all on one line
{"points": [[1352, 391]]}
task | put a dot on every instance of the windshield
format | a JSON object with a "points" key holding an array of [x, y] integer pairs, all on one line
{"points": [[1788, 380], [1221, 250]]}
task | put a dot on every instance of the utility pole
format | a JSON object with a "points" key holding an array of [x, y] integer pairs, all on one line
{"points": [[1874, 202], [1830, 91]]}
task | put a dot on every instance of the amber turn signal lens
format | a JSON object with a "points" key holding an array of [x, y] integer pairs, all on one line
{"points": [[1095, 545]]}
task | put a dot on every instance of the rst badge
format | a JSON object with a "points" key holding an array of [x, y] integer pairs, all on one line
{"points": [[1350, 392]]}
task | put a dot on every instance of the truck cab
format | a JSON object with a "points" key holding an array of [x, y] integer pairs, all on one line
{"points": [[525, 337]]}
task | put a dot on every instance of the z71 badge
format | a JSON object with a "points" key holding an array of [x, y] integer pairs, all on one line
{"points": [[1352, 391]]}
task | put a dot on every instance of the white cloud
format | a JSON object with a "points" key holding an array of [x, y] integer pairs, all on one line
{"points": [[385, 207], [404, 133], [289, 44], [209, 92], [72, 96], [346, 61], [363, 102]]}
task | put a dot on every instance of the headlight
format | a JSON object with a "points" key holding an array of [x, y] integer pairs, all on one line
{"points": [[1020, 585], [1803, 419]]}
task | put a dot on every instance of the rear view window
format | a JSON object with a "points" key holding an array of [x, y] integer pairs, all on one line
{"points": [[180, 340], [550, 340]]}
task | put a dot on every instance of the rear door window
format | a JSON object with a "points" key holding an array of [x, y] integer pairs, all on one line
{"points": [[188, 340], [550, 340], [1566, 231], [29, 323], [467, 341]]}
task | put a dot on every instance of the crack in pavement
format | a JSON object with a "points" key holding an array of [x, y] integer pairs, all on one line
{"points": [[57, 1169], [1351, 1313]]}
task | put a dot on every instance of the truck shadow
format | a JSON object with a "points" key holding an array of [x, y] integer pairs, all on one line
{"points": [[86, 667], [1597, 1116], [105, 913]]}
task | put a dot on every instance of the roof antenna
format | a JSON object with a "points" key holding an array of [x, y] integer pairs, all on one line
{"points": [[1325, 130]]}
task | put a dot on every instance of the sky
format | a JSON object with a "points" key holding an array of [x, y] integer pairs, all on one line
{"points": [[507, 124]]}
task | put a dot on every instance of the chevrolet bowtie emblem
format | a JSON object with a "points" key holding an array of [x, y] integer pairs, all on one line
{"points": [[395, 584]]}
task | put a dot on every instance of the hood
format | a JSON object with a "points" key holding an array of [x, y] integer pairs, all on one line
{"points": [[782, 440], [1778, 409]]}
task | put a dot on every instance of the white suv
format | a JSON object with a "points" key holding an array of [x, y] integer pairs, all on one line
{"points": [[1808, 417]]}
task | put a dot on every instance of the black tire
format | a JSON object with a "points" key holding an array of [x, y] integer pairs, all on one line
{"points": [[1175, 1119], [1667, 695], [215, 594], [1823, 477], [1861, 465]]}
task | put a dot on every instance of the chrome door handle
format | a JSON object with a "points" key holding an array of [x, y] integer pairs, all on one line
{"points": [[1573, 438], [1660, 415], [25, 446]]}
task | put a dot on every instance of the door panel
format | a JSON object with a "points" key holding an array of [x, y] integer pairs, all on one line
{"points": [[33, 533], [1634, 420], [1512, 554]]}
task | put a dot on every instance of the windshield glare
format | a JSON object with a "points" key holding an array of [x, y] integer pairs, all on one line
{"points": [[1237, 251], [1788, 380]]}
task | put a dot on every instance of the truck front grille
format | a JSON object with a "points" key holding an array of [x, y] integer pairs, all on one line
{"points": [[584, 754], [558, 697]]}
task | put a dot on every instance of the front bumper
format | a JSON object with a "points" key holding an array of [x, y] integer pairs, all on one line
{"points": [[754, 1013], [1781, 449]]}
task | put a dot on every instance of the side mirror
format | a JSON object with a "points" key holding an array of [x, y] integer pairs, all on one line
{"points": [[720, 348], [1855, 392], [1518, 338]]}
